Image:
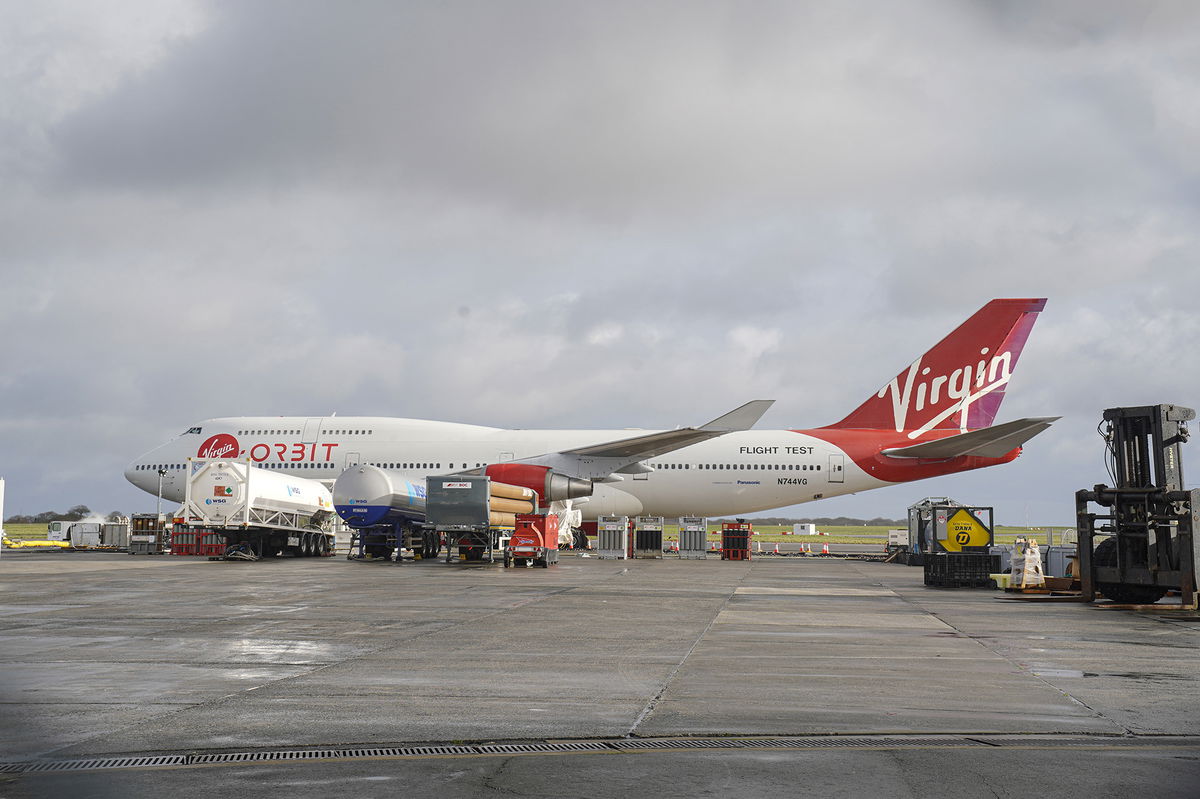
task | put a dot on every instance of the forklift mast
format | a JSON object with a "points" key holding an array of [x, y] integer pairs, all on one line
{"points": [[1146, 445], [1143, 545]]}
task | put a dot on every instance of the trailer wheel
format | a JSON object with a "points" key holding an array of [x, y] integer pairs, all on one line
{"points": [[322, 546], [1105, 556]]}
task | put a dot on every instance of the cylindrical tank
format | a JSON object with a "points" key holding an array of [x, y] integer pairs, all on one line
{"points": [[505, 505], [367, 495], [222, 489]]}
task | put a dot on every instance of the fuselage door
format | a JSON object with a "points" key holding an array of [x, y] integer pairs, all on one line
{"points": [[837, 465], [353, 459], [311, 428]]}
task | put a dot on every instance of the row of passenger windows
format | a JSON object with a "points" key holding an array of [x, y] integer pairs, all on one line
{"points": [[296, 465], [297, 432], [422, 465], [778, 467], [775, 467]]}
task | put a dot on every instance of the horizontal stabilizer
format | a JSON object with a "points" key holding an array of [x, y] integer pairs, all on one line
{"points": [[990, 442]]}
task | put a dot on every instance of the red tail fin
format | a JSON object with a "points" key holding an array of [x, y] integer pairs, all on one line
{"points": [[959, 384]]}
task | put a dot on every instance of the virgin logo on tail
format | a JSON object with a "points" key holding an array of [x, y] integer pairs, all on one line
{"points": [[966, 385], [959, 383]]}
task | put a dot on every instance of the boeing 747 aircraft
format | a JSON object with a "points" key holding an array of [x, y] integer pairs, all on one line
{"points": [[934, 418]]}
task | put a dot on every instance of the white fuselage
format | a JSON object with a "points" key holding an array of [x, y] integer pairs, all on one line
{"points": [[736, 473]]}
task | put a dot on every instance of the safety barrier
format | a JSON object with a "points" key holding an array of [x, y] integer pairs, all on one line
{"points": [[197, 542], [735, 540]]}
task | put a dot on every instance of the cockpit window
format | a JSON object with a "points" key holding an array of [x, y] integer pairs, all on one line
{"points": [[191, 430]]}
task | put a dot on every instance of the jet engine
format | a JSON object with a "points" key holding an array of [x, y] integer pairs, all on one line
{"points": [[550, 486]]}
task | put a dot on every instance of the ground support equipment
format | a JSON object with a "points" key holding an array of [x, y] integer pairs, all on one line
{"points": [[1143, 543]]}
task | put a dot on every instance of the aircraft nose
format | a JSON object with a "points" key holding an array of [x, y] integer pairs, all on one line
{"points": [[131, 473]]}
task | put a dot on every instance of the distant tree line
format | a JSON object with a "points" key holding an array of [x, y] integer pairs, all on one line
{"points": [[827, 521], [73, 515]]}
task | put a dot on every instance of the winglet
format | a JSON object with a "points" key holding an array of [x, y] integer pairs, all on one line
{"points": [[742, 418]]}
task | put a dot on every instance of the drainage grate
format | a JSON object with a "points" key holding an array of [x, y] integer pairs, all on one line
{"points": [[254, 757], [680, 743], [106, 763], [619, 745], [438, 750], [390, 751], [511, 749], [577, 746]]}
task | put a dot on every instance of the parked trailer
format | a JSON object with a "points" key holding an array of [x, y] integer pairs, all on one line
{"points": [[248, 512], [475, 513], [385, 512], [112, 536]]}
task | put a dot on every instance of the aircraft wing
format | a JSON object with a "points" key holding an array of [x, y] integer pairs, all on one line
{"points": [[988, 442], [598, 461], [653, 444]]}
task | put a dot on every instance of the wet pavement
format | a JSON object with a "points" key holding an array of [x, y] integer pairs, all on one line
{"points": [[104, 656]]}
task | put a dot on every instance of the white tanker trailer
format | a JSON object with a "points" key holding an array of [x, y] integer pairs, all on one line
{"points": [[257, 511]]}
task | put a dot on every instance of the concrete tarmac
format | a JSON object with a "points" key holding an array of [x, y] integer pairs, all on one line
{"points": [[135, 675]]}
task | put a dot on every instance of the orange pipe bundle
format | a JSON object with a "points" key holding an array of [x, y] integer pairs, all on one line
{"points": [[511, 491], [510, 505]]}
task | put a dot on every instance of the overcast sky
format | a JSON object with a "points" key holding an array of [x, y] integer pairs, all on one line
{"points": [[569, 214]]}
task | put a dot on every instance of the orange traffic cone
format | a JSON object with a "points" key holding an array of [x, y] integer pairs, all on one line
{"points": [[777, 549], [824, 549]]}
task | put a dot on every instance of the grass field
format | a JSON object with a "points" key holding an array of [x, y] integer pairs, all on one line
{"points": [[24, 532], [867, 535], [765, 534]]}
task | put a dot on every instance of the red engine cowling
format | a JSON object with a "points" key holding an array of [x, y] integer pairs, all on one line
{"points": [[550, 486]]}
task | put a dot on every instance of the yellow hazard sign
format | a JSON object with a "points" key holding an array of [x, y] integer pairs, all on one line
{"points": [[964, 530]]}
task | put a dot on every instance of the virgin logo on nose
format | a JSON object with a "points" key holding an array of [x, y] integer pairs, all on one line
{"points": [[222, 445]]}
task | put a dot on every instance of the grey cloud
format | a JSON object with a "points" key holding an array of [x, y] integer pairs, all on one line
{"points": [[678, 104]]}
